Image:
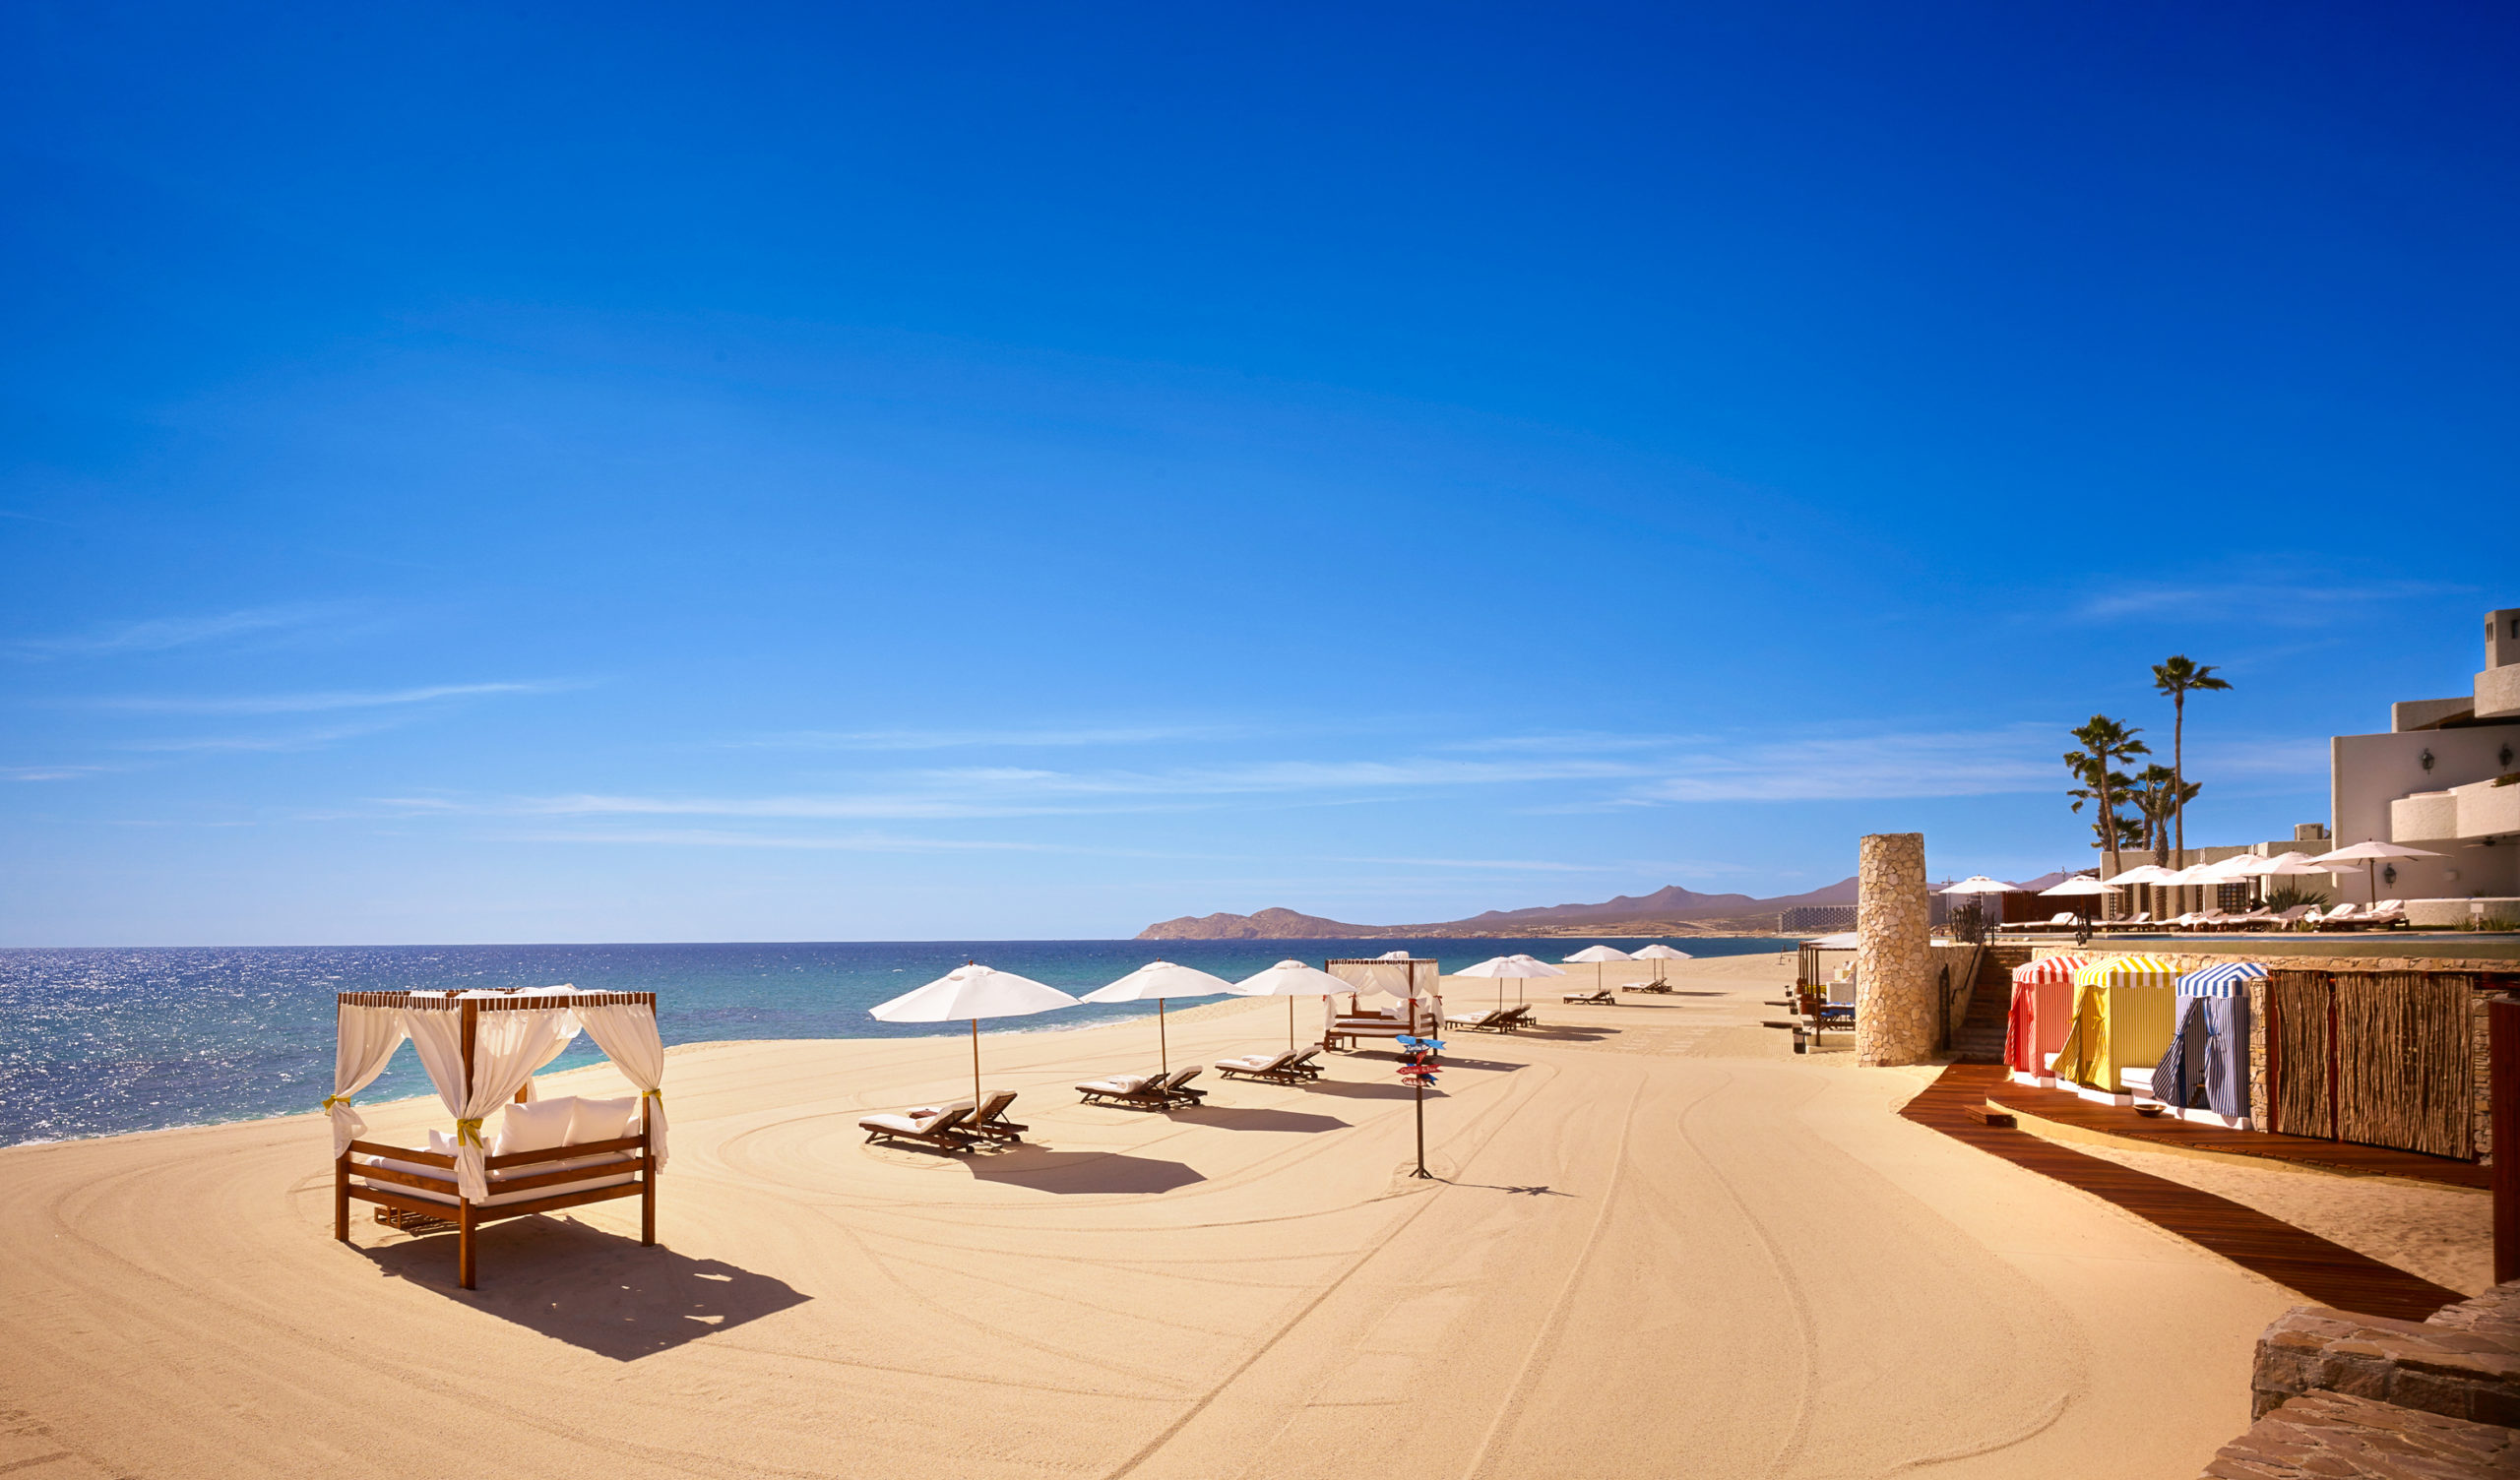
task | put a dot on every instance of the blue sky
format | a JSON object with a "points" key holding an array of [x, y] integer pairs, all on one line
{"points": [[626, 474]]}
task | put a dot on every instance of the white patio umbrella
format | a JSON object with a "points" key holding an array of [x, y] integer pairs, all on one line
{"points": [[1290, 980], [1979, 884], [1597, 954], [2369, 853], [1504, 969], [1158, 980], [1657, 951], [2143, 873], [2078, 887], [972, 991]]}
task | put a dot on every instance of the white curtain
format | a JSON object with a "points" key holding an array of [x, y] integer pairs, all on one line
{"points": [[627, 1034], [507, 1047], [367, 1039], [568, 1035]]}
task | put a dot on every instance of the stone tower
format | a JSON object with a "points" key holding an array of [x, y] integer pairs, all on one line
{"points": [[1895, 999]]}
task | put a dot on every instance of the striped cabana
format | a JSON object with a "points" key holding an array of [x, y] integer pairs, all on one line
{"points": [[2224, 980], [2042, 1007], [2208, 1053], [2122, 1019]]}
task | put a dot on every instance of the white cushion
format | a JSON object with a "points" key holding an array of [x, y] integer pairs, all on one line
{"points": [[601, 1120], [538, 1126]]}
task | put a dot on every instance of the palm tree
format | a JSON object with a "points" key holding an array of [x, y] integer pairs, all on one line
{"points": [[2158, 794], [2178, 678], [2105, 742]]}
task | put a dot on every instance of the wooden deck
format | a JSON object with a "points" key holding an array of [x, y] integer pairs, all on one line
{"points": [[2327, 1272], [2070, 1109]]}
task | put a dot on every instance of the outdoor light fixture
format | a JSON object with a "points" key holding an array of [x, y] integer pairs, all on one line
{"points": [[2506, 755], [2389, 874], [2427, 758]]}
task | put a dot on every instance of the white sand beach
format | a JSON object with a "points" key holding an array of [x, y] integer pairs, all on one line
{"points": [[1661, 1245]]}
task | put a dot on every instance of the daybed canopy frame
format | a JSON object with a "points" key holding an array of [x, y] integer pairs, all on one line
{"points": [[469, 1214]]}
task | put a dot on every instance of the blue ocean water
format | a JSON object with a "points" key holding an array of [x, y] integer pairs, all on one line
{"points": [[97, 1043]]}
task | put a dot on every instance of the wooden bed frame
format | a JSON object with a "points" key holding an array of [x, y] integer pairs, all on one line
{"points": [[469, 1216]]}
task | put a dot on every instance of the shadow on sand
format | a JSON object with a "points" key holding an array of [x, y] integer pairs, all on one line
{"points": [[1238, 1118], [1070, 1172], [601, 1292]]}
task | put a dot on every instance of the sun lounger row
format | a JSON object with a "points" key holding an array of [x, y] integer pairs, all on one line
{"points": [[2386, 915]]}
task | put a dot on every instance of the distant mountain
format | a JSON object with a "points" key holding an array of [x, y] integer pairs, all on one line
{"points": [[1669, 910]]}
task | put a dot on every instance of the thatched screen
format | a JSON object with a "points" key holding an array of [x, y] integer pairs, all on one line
{"points": [[2405, 1061], [2297, 1039]]}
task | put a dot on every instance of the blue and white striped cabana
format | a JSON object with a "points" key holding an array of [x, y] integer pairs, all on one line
{"points": [[2222, 979]]}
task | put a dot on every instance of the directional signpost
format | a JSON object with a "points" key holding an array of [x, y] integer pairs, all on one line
{"points": [[1418, 1069]]}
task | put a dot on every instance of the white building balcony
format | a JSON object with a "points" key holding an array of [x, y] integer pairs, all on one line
{"points": [[2462, 813]]}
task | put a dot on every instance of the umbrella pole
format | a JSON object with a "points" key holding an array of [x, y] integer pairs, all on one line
{"points": [[975, 1065], [1162, 1050], [1291, 1024]]}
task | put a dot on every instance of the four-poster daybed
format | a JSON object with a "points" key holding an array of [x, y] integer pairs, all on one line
{"points": [[480, 1049]]}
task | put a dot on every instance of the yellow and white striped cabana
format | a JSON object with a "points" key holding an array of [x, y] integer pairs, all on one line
{"points": [[2122, 1016]]}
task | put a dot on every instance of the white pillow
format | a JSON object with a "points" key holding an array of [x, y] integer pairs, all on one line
{"points": [[538, 1126], [601, 1120], [441, 1143]]}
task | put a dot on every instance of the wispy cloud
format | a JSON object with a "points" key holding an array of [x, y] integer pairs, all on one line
{"points": [[705, 837], [2292, 603], [1013, 739], [47, 773], [158, 634], [2015, 758], [250, 744], [308, 704]]}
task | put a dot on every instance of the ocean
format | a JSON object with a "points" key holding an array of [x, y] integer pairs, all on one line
{"points": [[101, 1041]]}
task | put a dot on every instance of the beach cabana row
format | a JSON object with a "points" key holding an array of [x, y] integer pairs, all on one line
{"points": [[2121, 1021], [481, 1051], [2208, 1051]]}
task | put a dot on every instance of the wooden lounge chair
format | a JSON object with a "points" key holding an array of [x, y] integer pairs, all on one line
{"points": [[1518, 1018], [2064, 920], [991, 1124], [1596, 994], [2291, 919], [1491, 1022], [1643, 986], [1178, 1087], [2342, 917], [1302, 1065], [1277, 1068], [2388, 914], [942, 1131], [1139, 1091]]}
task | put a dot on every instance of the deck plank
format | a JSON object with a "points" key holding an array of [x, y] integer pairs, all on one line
{"points": [[2327, 1272]]}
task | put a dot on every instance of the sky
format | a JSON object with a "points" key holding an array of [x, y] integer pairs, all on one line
{"points": [[982, 472]]}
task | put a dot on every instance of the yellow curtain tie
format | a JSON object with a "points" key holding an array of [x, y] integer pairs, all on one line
{"points": [[331, 1100], [651, 1094], [468, 1129]]}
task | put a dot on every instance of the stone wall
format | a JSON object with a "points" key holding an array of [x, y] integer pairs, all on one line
{"points": [[1897, 1003]]}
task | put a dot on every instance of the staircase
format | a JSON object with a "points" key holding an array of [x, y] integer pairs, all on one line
{"points": [[1978, 1037]]}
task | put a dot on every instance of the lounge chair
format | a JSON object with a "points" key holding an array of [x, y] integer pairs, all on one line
{"points": [[1139, 1091], [1302, 1065], [2388, 914], [1271, 1066], [1491, 1022], [991, 1124], [1597, 994], [1178, 1087], [1518, 1018], [2342, 917], [1642, 986], [2064, 920], [2291, 918], [942, 1129]]}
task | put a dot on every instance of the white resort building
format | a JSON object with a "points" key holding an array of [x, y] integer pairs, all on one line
{"points": [[2444, 778]]}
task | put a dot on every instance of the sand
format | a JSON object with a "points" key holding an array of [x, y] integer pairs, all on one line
{"points": [[1662, 1245]]}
